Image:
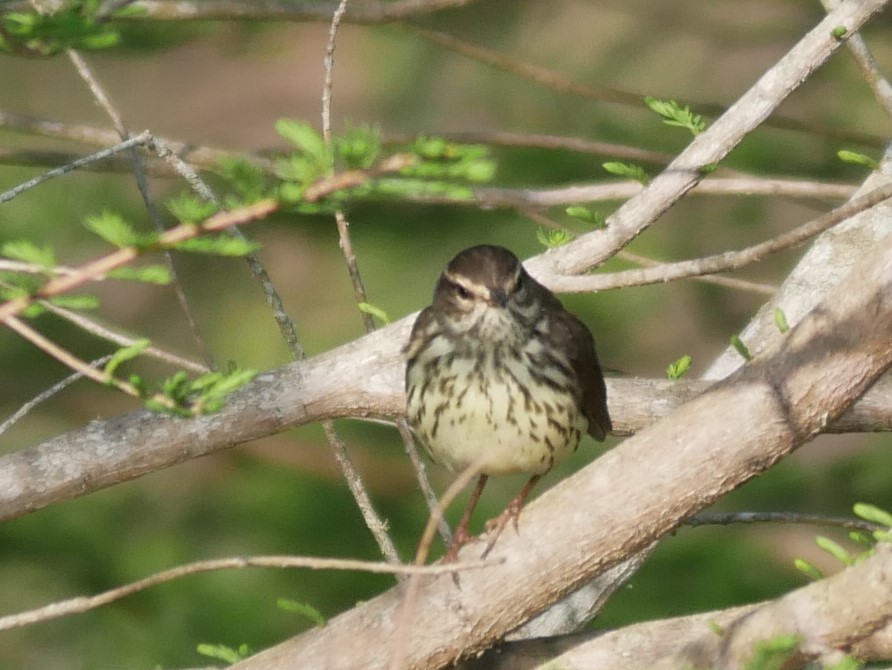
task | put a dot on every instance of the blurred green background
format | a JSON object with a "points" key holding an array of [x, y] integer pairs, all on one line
{"points": [[224, 85]]}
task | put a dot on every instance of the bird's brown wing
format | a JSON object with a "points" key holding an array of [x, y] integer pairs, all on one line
{"points": [[584, 359]]}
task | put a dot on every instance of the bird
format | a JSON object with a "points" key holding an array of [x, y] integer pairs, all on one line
{"points": [[501, 377]]}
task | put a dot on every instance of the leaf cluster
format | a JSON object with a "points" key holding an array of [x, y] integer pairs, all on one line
{"points": [[75, 26]]}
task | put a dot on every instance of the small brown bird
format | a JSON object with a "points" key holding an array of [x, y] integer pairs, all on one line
{"points": [[501, 375]]}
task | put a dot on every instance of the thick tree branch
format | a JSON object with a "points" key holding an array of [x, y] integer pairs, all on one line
{"points": [[635, 493], [360, 379], [821, 613]]}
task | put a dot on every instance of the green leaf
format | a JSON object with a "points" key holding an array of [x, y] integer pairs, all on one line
{"points": [[28, 252], [847, 663], [808, 569], [590, 216], [773, 654], [309, 141], [377, 312], [223, 653], [75, 301], [304, 609], [834, 550], [125, 354], [247, 178], [220, 245], [551, 238], [780, 320], [709, 168], [34, 34], [860, 537], [882, 536], [857, 159], [189, 208], [873, 514], [627, 171], [148, 274], [679, 367], [839, 32], [741, 348], [358, 147], [675, 115], [112, 228]]}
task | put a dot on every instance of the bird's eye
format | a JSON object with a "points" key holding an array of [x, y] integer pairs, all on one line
{"points": [[463, 293]]}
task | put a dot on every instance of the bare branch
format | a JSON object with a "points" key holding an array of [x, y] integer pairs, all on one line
{"points": [[560, 83], [730, 260], [87, 603]]}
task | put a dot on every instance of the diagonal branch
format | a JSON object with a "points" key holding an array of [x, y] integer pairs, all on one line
{"points": [[636, 493], [708, 148]]}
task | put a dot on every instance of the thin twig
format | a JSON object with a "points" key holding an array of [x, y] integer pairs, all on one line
{"points": [[372, 519], [102, 266], [142, 184], [727, 518], [730, 260], [47, 394], [67, 358], [560, 83], [403, 619], [103, 154], [86, 603], [857, 45], [273, 298], [106, 333], [728, 282]]}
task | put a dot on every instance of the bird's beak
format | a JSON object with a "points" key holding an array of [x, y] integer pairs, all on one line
{"points": [[498, 297]]}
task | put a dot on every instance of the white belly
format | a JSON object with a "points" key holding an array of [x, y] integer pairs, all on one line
{"points": [[491, 418]]}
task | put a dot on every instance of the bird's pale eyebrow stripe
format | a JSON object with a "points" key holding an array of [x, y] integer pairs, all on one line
{"points": [[472, 286]]}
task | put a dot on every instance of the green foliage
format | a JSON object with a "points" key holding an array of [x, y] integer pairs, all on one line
{"points": [[219, 245], [857, 159], [878, 516], [551, 238], [223, 653], [774, 653], [358, 147], [438, 158], [675, 115], [407, 188], [627, 171], [867, 512], [839, 32], [741, 348], [189, 208], [75, 301], [377, 312], [677, 369], [248, 180], [206, 394], [73, 27], [112, 228], [847, 663], [148, 274], [304, 609], [590, 216], [835, 550], [808, 569], [126, 354], [314, 158], [28, 252], [780, 320]]}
